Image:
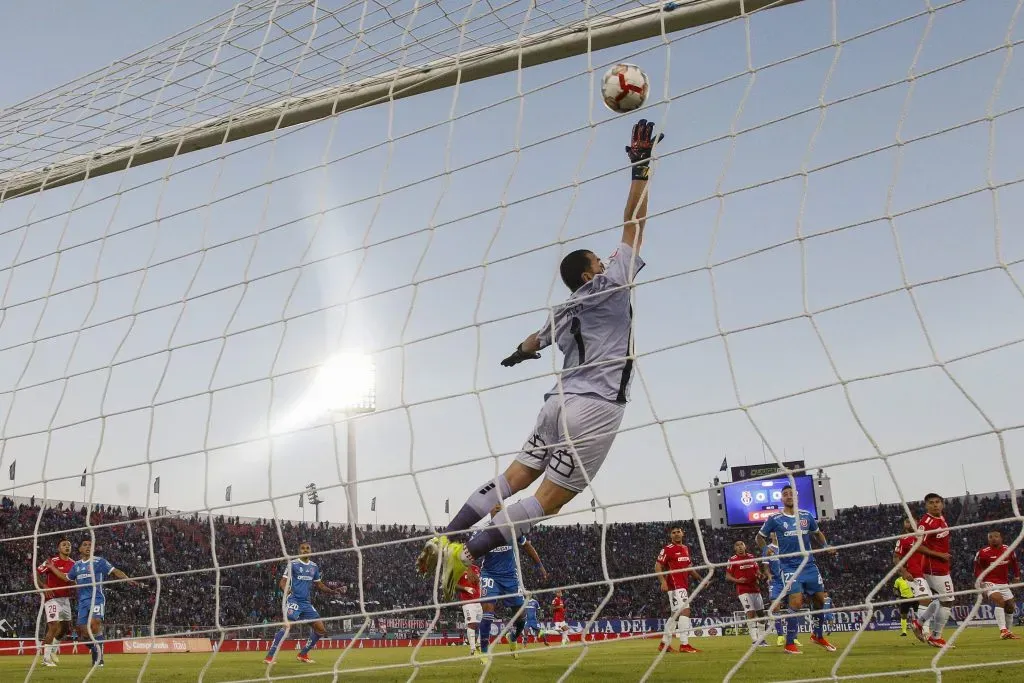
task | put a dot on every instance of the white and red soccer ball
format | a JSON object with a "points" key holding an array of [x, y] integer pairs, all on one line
{"points": [[624, 88]]}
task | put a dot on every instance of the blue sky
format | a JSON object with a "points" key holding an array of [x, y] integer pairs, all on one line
{"points": [[220, 286]]}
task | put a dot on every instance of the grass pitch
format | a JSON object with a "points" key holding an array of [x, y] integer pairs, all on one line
{"points": [[874, 652]]}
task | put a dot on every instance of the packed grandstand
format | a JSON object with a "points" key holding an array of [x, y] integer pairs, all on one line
{"points": [[249, 558]]}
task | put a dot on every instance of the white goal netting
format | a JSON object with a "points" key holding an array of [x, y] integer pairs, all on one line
{"points": [[304, 229]]}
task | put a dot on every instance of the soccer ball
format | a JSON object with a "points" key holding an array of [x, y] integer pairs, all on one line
{"points": [[624, 88]]}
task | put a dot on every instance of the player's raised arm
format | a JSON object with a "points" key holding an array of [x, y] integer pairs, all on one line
{"points": [[52, 568], [117, 573], [634, 217], [535, 556]]}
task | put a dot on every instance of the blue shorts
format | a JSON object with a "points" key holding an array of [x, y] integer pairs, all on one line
{"points": [[501, 585], [774, 590], [808, 581], [87, 610], [299, 610], [532, 625]]}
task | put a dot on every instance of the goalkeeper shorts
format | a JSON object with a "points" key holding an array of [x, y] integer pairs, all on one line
{"points": [[572, 461]]}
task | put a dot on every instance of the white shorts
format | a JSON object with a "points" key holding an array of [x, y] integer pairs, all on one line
{"points": [[990, 589], [942, 586], [57, 609], [472, 613], [678, 600], [593, 423], [920, 587], [751, 602], [561, 626]]}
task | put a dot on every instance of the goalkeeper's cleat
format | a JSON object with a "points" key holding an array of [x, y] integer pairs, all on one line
{"points": [[453, 566], [305, 659], [792, 649], [427, 560], [823, 642], [1007, 634]]}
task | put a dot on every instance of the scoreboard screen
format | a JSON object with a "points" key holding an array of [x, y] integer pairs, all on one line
{"points": [[752, 502]]}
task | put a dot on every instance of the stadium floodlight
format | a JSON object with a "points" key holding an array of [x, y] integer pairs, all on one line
{"points": [[345, 384]]}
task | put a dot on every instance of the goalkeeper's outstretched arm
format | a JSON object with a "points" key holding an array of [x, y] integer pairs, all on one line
{"points": [[634, 216]]}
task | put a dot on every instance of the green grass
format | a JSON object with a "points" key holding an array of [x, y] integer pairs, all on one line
{"points": [[610, 661]]}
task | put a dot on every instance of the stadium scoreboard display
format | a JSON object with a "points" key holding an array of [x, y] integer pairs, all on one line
{"points": [[750, 502], [754, 501]]}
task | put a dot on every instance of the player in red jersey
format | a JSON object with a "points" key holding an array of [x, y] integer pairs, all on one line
{"points": [[911, 583], [994, 566], [469, 589], [935, 549], [674, 569], [558, 616], [743, 570], [57, 601]]}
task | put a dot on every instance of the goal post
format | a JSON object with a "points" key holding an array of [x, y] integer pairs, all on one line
{"points": [[469, 65], [274, 263]]}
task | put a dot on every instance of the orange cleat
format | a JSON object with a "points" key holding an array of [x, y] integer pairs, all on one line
{"points": [[304, 659], [823, 641], [792, 649], [662, 647], [1007, 634], [689, 649]]}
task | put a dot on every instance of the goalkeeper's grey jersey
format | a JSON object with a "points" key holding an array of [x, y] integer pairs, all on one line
{"points": [[593, 329]]}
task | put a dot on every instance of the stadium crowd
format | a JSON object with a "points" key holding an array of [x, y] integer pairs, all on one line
{"points": [[230, 567]]}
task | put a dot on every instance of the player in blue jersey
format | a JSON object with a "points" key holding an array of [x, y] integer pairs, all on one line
{"points": [[794, 529], [773, 576], [297, 582], [532, 622], [89, 573], [500, 583]]}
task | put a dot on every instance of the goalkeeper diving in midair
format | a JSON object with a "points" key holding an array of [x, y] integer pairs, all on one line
{"points": [[582, 412]]}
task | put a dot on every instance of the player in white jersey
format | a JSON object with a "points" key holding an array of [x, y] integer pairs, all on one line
{"points": [[582, 412]]}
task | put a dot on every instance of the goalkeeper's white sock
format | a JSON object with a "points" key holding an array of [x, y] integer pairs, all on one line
{"points": [[684, 630], [670, 627], [479, 505], [1001, 618], [511, 522]]}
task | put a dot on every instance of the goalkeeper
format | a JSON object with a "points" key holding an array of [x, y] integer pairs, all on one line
{"points": [[582, 412]]}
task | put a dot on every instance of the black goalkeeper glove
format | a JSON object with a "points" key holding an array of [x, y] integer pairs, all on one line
{"points": [[518, 357], [640, 148]]}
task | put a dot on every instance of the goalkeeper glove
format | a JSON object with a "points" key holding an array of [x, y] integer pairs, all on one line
{"points": [[639, 150], [518, 357]]}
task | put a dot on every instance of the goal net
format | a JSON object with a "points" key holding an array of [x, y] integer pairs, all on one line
{"points": [[258, 279]]}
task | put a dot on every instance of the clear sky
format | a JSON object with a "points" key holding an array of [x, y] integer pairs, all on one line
{"points": [[808, 279]]}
